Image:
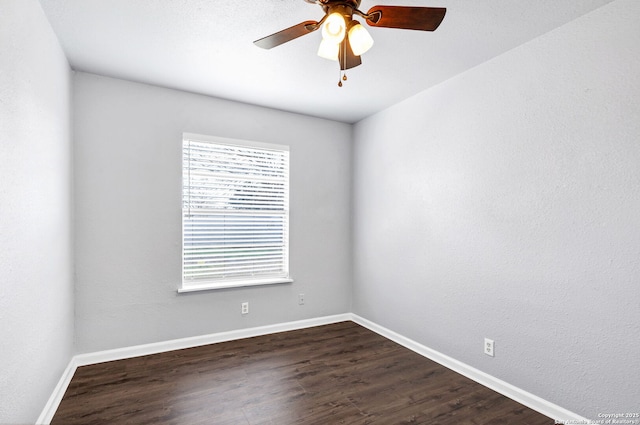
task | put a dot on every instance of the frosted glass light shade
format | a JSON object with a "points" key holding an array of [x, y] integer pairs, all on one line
{"points": [[329, 50], [334, 28], [359, 39]]}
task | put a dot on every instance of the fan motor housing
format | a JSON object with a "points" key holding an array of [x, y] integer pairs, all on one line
{"points": [[330, 4]]}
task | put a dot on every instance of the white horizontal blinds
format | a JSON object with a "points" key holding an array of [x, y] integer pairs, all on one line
{"points": [[235, 212]]}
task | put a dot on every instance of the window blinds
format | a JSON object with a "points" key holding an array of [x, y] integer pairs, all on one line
{"points": [[235, 212]]}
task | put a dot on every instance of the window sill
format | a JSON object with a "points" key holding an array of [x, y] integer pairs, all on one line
{"points": [[233, 284]]}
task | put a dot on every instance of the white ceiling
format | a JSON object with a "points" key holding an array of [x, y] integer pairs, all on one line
{"points": [[205, 46]]}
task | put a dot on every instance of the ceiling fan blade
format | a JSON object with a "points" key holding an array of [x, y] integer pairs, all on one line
{"points": [[406, 17], [288, 34], [348, 60]]}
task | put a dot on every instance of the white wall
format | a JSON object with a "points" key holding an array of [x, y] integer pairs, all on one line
{"points": [[36, 282], [128, 139], [505, 203]]}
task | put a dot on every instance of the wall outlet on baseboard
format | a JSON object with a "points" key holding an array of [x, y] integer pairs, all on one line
{"points": [[301, 299], [488, 347], [244, 309]]}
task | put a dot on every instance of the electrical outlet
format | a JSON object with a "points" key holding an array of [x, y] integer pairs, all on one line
{"points": [[245, 308], [488, 347], [301, 299]]}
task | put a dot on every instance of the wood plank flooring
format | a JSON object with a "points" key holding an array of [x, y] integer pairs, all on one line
{"points": [[334, 374]]}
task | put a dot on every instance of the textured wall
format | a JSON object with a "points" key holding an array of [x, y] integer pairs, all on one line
{"points": [[505, 203], [128, 147], [36, 287]]}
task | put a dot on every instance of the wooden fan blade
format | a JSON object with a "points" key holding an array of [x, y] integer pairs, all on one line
{"points": [[288, 34], [349, 60], [406, 17]]}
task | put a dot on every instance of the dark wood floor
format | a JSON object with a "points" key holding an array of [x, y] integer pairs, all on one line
{"points": [[335, 374]]}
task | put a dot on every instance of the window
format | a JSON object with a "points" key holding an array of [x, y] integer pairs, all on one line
{"points": [[235, 213]]}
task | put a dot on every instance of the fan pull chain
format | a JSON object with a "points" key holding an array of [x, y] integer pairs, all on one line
{"points": [[344, 56], [344, 78]]}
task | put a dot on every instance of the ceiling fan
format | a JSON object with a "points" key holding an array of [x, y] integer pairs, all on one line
{"points": [[344, 39]]}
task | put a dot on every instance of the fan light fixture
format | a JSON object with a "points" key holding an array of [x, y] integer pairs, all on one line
{"points": [[334, 28], [359, 38], [329, 50], [334, 33]]}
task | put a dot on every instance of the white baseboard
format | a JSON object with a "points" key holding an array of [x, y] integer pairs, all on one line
{"points": [[196, 341], [56, 397], [536, 403], [553, 411], [177, 344]]}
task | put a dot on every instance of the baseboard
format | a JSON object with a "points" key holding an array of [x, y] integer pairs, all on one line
{"points": [[553, 411], [177, 344], [56, 397], [559, 414]]}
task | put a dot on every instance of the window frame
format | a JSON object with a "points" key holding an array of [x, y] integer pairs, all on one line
{"points": [[234, 282]]}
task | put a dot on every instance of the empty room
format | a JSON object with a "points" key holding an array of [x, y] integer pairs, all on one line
{"points": [[319, 212]]}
